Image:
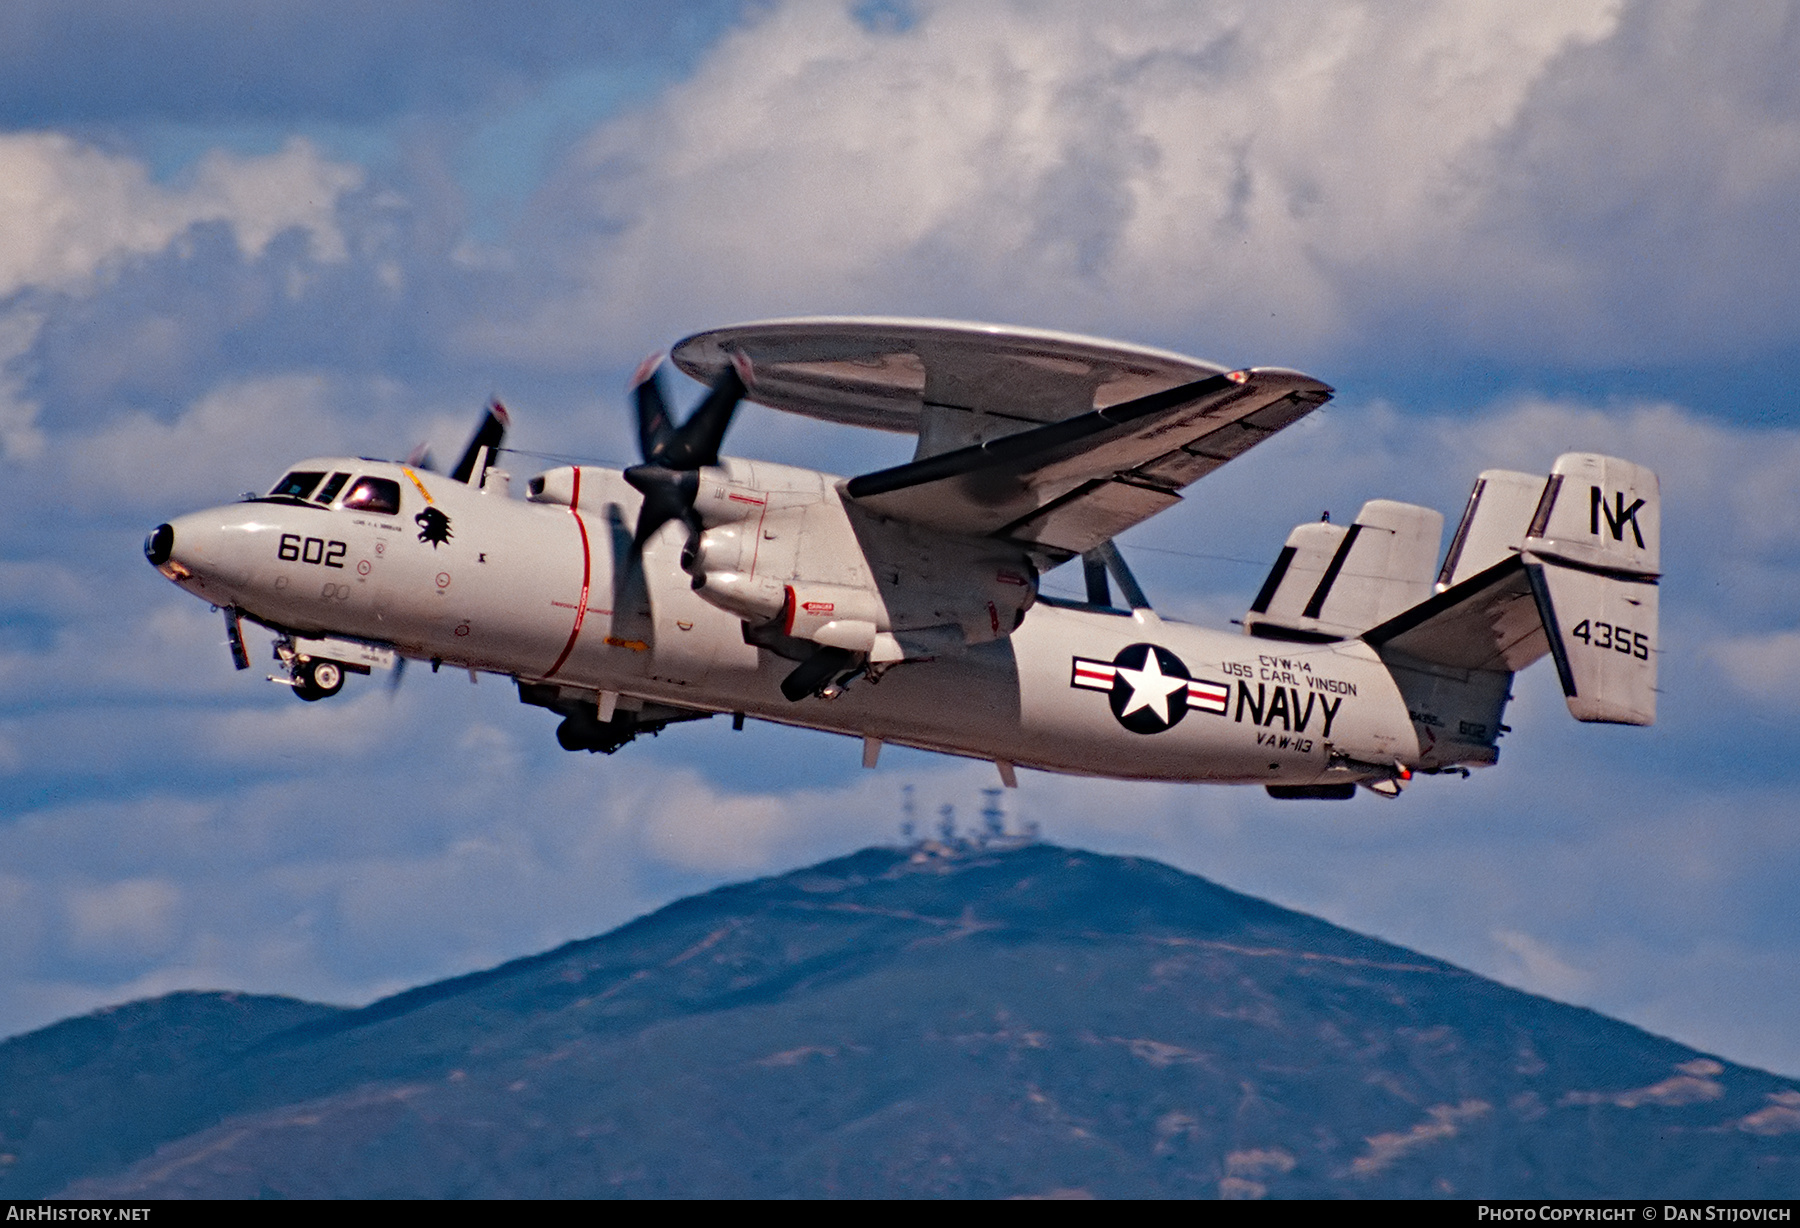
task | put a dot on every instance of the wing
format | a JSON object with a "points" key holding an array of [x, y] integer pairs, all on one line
{"points": [[1069, 485]]}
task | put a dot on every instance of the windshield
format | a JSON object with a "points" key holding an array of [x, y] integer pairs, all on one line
{"points": [[329, 491], [296, 485]]}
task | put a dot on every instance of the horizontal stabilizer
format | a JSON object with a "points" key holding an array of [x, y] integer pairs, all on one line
{"points": [[1490, 622], [1334, 581]]}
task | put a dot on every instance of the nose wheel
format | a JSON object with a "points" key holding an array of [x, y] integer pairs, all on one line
{"points": [[317, 679], [314, 675]]}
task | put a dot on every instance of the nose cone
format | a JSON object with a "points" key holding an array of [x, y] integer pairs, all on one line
{"points": [[195, 552], [160, 545]]}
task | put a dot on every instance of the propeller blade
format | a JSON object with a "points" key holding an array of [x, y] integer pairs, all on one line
{"points": [[420, 458], [655, 427], [399, 673], [669, 478], [488, 435], [696, 444]]}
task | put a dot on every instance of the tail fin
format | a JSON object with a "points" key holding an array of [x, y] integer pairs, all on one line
{"points": [[1592, 551], [1571, 572], [1334, 581], [1493, 525]]}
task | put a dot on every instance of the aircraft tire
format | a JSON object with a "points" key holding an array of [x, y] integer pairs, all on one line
{"points": [[571, 736], [586, 733], [320, 679]]}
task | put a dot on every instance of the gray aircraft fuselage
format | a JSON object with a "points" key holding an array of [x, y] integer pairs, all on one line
{"points": [[545, 593]]}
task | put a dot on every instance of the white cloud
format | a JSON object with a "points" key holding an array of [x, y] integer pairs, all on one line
{"points": [[347, 730], [50, 587], [69, 212], [1290, 175], [1138, 165], [72, 218], [23, 931], [233, 439], [172, 650], [1538, 968], [695, 828], [1766, 667], [135, 918]]}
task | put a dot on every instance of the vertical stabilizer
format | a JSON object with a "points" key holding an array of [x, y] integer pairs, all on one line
{"points": [[1493, 524], [1333, 581], [1296, 574], [1592, 552]]}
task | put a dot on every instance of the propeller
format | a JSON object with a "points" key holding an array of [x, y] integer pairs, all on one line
{"points": [[669, 477]]}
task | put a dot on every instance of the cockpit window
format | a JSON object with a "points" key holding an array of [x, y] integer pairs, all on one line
{"points": [[374, 495], [328, 492], [296, 485]]}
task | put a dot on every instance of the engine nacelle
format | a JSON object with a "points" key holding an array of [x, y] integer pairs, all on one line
{"points": [[800, 562], [721, 501], [560, 486], [717, 499], [727, 548], [834, 615], [755, 599]]}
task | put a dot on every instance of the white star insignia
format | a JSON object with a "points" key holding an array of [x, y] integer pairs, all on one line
{"points": [[1150, 687]]}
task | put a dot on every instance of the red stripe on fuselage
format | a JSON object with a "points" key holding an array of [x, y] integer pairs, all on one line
{"points": [[587, 569]]}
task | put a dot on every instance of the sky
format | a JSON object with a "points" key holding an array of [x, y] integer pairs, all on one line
{"points": [[234, 233]]}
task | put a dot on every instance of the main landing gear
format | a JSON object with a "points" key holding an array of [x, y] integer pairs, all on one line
{"points": [[582, 728]]}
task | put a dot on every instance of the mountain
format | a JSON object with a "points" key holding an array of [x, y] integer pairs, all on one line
{"points": [[92, 1094], [934, 1022]]}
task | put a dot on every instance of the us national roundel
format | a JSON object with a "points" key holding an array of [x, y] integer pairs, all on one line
{"points": [[1149, 688]]}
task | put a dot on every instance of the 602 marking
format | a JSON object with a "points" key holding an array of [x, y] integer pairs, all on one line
{"points": [[295, 549], [1619, 639]]}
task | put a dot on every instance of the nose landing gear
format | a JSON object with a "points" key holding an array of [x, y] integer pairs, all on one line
{"points": [[313, 678], [317, 679]]}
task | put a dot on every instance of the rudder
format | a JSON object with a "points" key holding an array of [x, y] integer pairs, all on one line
{"points": [[1593, 552]]}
